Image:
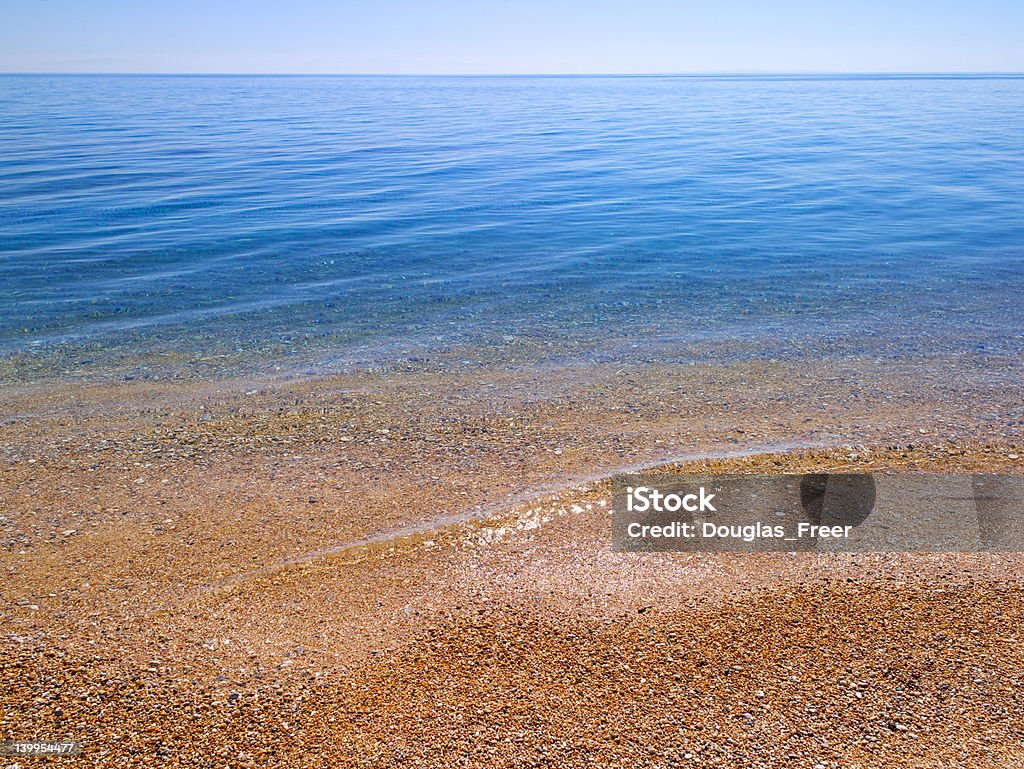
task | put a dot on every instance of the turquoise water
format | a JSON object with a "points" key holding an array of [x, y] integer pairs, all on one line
{"points": [[152, 226]]}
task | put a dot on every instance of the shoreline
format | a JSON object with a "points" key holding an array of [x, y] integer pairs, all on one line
{"points": [[225, 557], [315, 395]]}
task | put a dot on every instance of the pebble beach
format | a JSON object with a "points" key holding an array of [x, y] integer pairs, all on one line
{"points": [[414, 568]]}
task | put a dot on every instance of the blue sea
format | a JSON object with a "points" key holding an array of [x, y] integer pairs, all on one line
{"points": [[181, 226]]}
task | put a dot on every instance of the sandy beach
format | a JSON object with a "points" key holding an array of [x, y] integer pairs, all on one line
{"points": [[414, 568]]}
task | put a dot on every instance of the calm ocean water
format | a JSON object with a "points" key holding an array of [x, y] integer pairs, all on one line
{"points": [[169, 226]]}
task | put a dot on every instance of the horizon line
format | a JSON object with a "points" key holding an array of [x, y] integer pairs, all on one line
{"points": [[693, 74]]}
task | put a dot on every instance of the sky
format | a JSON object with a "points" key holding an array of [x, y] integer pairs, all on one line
{"points": [[511, 36]]}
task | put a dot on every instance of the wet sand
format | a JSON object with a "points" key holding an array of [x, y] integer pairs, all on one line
{"points": [[414, 568]]}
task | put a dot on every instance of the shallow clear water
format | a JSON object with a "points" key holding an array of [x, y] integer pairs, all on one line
{"points": [[150, 224]]}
